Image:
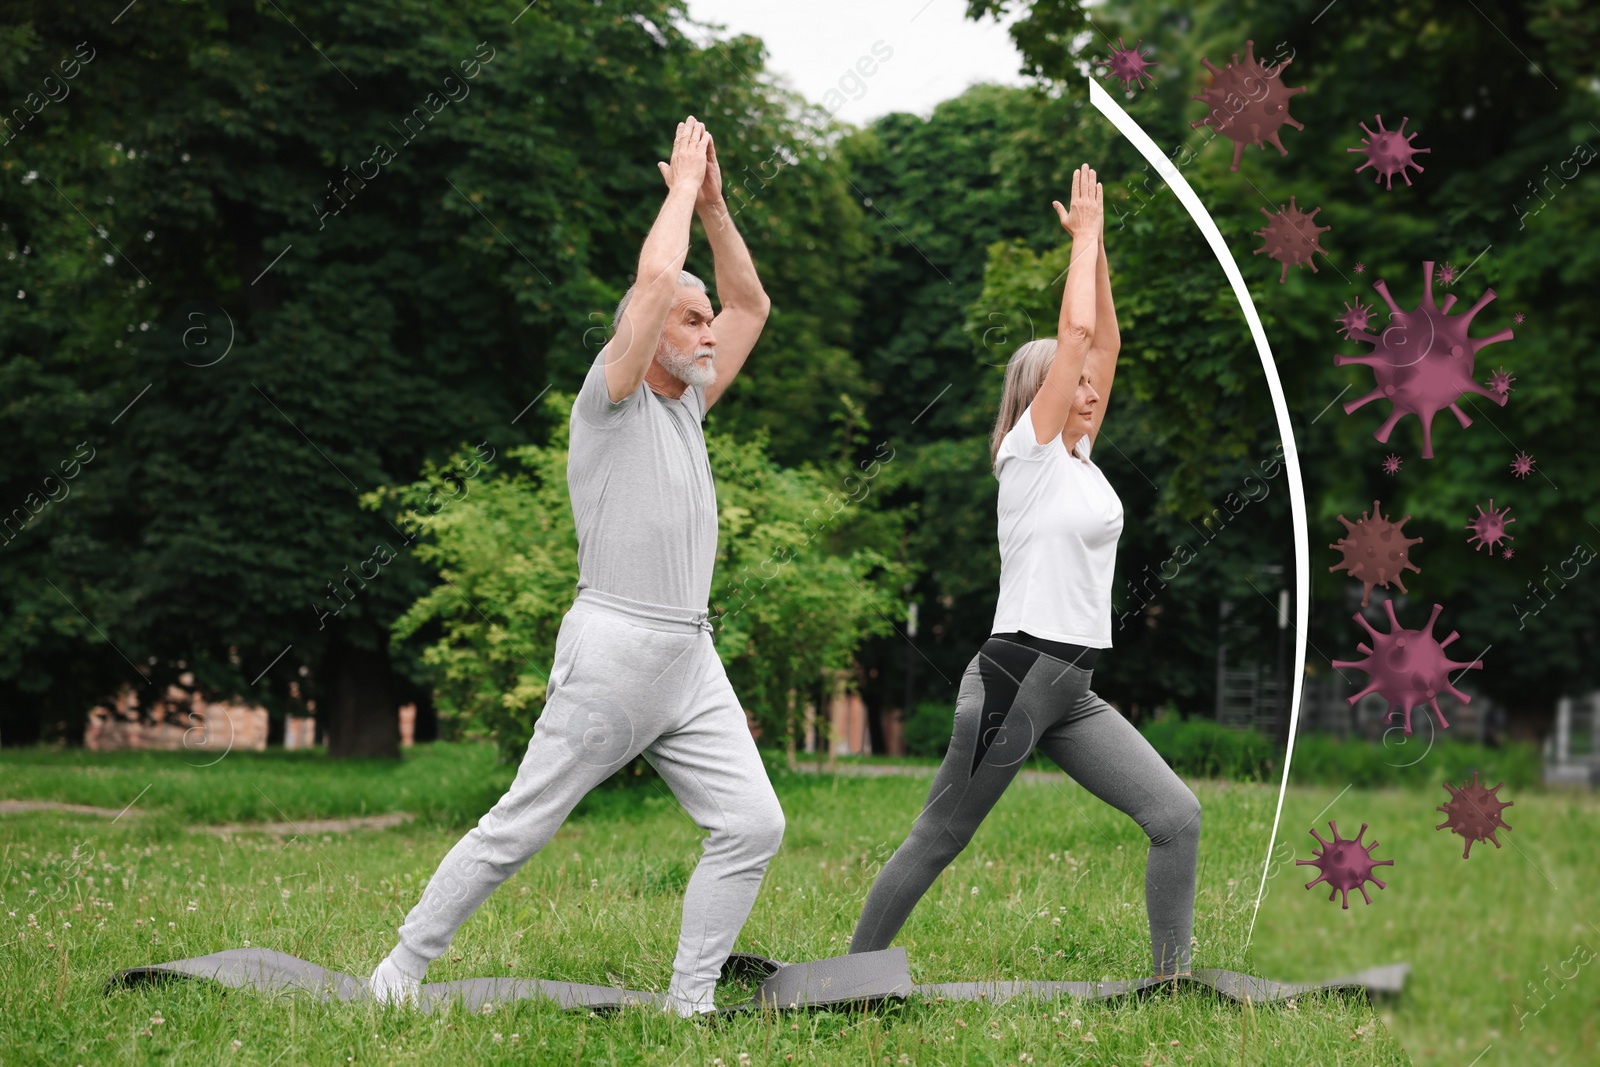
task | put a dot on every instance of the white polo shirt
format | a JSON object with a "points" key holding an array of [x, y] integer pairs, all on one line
{"points": [[1059, 520]]}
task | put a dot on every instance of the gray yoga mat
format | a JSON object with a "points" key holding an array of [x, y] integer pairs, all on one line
{"points": [[861, 979]]}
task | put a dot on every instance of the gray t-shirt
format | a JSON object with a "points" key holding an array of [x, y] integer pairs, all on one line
{"points": [[643, 500]]}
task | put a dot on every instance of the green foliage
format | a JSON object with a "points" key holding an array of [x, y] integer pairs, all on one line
{"points": [[1414, 762], [1207, 749], [803, 573], [1505, 197], [927, 729], [377, 307]]}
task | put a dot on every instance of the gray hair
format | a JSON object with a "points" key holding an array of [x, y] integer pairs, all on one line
{"points": [[684, 278], [1025, 374]]}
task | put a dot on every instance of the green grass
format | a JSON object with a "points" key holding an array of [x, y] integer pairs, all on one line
{"points": [[1475, 931], [601, 904]]}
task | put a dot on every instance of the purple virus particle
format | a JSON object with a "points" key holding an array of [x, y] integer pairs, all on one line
{"points": [[1391, 464], [1345, 864], [1518, 317], [1354, 318], [1423, 360], [1500, 381], [1264, 97], [1389, 152], [1521, 466], [1447, 274], [1360, 268], [1129, 64], [1489, 527], [1408, 668], [1508, 553], [1376, 551], [1474, 812], [1291, 237]]}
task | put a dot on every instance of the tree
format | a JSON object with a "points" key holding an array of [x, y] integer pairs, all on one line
{"points": [[275, 260]]}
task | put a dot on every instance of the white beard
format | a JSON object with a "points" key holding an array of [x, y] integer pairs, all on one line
{"points": [[686, 368]]}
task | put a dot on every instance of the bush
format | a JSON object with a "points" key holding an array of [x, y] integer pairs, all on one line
{"points": [[1333, 761], [927, 729], [1207, 749]]}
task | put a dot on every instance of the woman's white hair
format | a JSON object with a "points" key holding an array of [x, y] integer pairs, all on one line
{"points": [[1025, 374], [684, 278]]}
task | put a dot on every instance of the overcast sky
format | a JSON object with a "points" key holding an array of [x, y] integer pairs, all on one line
{"points": [[934, 52]]}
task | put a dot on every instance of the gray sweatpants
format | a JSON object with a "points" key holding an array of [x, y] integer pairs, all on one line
{"points": [[628, 677], [1013, 698]]}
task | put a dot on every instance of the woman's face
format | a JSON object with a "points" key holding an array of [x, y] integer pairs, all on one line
{"points": [[1085, 403]]}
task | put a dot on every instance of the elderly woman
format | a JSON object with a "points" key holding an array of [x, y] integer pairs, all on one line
{"points": [[1059, 520]]}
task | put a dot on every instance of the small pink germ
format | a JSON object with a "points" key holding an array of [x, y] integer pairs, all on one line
{"points": [[1291, 237], [1447, 274], [1128, 64], [1500, 381], [1354, 318], [1522, 465], [1517, 318], [1389, 152], [1345, 864], [1489, 527], [1360, 267], [1508, 553], [1391, 464]]}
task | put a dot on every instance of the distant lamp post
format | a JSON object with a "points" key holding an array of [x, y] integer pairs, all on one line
{"points": [[911, 655]]}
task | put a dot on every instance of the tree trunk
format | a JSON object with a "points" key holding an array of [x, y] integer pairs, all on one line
{"points": [[358, 708]]}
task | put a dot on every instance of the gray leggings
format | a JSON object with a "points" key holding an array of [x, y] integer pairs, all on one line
{"points": [[1013, 698]]}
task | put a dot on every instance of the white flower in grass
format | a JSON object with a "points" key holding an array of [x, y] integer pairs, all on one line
{"points": [[974, 890]]}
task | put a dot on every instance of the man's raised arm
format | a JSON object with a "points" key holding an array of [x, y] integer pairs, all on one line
{"points": [[744, 302], [631, 349]]}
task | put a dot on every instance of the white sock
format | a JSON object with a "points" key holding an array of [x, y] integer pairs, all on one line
{"points": [[391, 985]]}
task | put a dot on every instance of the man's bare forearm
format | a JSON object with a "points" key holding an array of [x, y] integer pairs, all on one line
{"points": [[737, 283], [667, 245]]}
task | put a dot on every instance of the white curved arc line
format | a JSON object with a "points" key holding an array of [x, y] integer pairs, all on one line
{"points": [[1297, 500]]}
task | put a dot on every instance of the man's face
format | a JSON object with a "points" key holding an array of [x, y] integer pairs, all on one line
{"points": [[688, 347]]}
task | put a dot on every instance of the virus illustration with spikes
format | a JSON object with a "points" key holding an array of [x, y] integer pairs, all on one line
{"points": [[1291, 237], [1360, 267], [1354, 318], [1345, 864], [1474, 812], [1521, 466], [1129, 64], [1389, 152], [1423, 360], [1508, 553], [1517, 318], [1500, 381], [1265, 99], [1376, 551], [1489, 527], [1391, 464], [1447, 274], [1408, 668]]}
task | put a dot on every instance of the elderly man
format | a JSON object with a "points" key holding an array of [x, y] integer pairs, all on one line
{"points": [[635, 669]]}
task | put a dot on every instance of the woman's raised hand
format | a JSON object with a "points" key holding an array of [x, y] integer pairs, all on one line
{"points": [[1088, 205]]}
